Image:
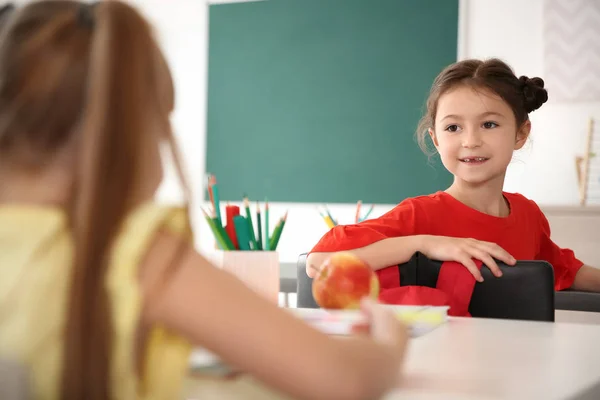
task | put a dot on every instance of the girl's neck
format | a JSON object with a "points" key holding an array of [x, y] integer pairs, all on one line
{"points": [[487, 198], [45, 188]]}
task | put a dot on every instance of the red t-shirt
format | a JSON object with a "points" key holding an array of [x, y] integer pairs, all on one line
{"points": [[524, 234]]}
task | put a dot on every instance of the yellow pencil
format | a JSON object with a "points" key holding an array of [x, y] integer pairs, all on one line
{"points": [[329, 221]]}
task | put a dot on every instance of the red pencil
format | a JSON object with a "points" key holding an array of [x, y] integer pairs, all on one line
{"points": [[211, 182], [230, 212]]}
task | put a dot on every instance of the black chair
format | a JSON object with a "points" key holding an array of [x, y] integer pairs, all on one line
{"points": [[304, 294], [525, 292], [287, 286], [573, 300]]}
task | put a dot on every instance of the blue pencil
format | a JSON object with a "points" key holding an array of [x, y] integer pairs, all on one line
{"points": [[368, 213]]}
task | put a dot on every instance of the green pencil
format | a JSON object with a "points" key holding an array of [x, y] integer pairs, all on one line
{"points": [[213, 227], [274, 234], [215, 192], [241, 231], [224, 234], [259, 227], [277, 233], [250, 227], [267, 242]]}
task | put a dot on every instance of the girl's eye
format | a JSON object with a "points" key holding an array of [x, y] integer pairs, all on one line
{"points": [[489, 125], [452, 128]]}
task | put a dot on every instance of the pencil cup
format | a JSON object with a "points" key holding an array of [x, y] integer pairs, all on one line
{"points": [[259, 270]]}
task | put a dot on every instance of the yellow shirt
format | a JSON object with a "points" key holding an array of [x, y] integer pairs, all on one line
{"points": [[35, 265]]}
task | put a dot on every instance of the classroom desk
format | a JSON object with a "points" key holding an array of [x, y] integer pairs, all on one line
{"points": [[499, 359], [470, 358]]}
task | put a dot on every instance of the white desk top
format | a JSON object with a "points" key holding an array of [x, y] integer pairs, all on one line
{"points": [[484, 359], [495, 359]]}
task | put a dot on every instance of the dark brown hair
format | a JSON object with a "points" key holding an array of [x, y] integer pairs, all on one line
{"points": [[92, 74], [523, 95]]}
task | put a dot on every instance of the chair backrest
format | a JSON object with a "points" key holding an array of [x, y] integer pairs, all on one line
{"points": [[14, 383], [525, 291], [304, 294]]}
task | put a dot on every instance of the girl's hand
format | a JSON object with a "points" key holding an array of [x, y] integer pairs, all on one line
{"points": [[382, 325], [463, 250]]}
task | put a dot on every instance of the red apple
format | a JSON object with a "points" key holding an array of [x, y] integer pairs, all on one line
{"points": [[342, 281]]}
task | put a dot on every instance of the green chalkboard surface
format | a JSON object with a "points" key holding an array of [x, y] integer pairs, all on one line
{"points": [[318, 100]]}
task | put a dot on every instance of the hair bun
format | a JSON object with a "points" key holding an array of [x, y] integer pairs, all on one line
{"points": [[534, 93]]}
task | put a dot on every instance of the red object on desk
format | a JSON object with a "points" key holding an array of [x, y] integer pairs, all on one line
{"points": [[230, 212], [454, 288]]}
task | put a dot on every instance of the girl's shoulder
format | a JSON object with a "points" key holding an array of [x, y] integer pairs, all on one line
{"points": [[138, 233], [519, 202]]}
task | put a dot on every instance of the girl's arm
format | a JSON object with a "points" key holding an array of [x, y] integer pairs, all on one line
{"points": [[218, 312], [587, 279], [398, 250], [381, 254]]}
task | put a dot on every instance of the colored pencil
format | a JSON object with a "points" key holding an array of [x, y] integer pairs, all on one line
{"points": [[250, 226], [275, 230], [229, 244], [218, 236], [230, 213], [368, 213], [357, 216], [224, 234], [259, 227], [267, 241], [210, 192], [242, 232], [216, 201], [330, 216], [277, 233], [328, 221]]}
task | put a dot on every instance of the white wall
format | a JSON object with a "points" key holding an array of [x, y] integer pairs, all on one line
{"points": [[509, 29], [545, 169], [182, 29]]}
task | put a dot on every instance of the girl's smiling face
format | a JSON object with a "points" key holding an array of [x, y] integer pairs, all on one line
{"points": [[475, 132]]}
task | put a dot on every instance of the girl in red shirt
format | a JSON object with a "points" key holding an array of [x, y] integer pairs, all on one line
{"points": [[477, 116]]}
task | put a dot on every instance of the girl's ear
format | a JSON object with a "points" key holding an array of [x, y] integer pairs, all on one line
{"points": [[522, 135], [433, 137]]}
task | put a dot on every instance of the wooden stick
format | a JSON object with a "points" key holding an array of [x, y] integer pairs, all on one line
{"points": [[578, 168], [586, 158]]}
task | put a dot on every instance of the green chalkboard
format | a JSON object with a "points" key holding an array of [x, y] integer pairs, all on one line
{"points": [[318, 100]]}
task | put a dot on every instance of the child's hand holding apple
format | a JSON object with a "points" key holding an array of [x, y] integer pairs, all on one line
{"points": [[342, 281], [346, 282]]}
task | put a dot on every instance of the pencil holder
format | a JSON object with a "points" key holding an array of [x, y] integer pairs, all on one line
{"points": [[259, 270]]}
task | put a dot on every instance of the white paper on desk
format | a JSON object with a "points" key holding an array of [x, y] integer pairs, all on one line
{"points": [[420, 319]]}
